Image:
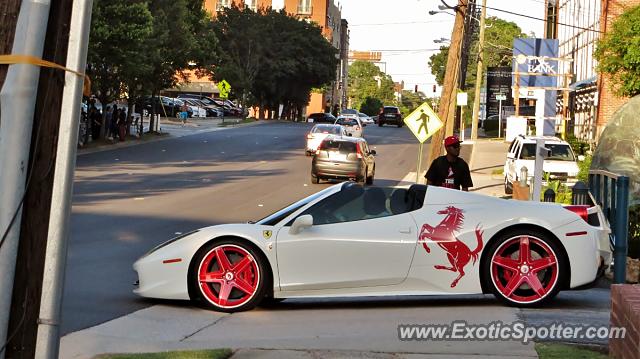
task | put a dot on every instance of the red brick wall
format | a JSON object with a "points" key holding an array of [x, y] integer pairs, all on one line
{"points": [[625, 312], [608, 103]]}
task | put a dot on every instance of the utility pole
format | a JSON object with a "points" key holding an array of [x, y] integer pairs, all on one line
{"points": [[447, 107], [476, 101]]}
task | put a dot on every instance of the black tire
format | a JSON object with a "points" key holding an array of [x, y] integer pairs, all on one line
{"points": [[508, 188], [380, 123], [260, 276], [370, 178], [399, 125], [270, 302], [315, 179], [542, 247]]}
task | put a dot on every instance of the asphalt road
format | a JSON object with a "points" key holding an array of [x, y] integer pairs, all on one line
{"points": [[130, 199]]}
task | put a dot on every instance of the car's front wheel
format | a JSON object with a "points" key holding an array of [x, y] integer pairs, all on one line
{"points": [[229, 276], [315, 179], [524, 268], [508, 187]]}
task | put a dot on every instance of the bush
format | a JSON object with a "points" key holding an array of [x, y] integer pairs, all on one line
{"points": [[583, 174], [579, 146], [371, 106]]}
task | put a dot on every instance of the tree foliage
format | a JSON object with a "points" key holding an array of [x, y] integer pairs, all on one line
{"points": [[618, 54], [367, 81], [371, 106], [272, 58], [498, 49], [410, 101]]}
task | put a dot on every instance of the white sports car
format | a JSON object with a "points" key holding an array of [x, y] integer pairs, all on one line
{"points": [[350, 240]]}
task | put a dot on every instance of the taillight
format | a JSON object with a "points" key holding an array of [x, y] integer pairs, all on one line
{"points": [[582, 211], [320, 148], [357, 128], [359, 152]]}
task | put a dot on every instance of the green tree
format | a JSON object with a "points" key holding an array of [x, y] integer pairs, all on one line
{"points": [[371, 106], [366, 80], [618, 54], [272, 58], [410, 101], [498, 50], [118, 28]]}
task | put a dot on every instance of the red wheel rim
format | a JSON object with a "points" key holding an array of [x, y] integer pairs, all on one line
{"points": [[228, 276], [524, 269]]}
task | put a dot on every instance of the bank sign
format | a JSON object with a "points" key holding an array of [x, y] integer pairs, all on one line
{"points": [[535, 60]]}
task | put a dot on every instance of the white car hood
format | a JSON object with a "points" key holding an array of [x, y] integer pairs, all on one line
{"points": [[551, 166]]}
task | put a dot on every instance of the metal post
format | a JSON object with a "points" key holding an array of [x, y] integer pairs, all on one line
{"points": [[462, 123], [418, 170], [538, 170], [499, 119], [476, 101], [48, 339], [17, 99], [621, 230]]}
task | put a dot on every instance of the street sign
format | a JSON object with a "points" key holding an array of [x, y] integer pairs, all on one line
{"points": [[501, 97], [224, 88], [461, 99], [423, 122]]}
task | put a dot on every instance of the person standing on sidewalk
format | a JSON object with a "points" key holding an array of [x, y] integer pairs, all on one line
{"points": [[184, 113], [450, 171]]}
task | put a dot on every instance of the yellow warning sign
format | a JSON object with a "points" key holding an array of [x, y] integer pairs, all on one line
{"points": [[224, 88], [423, 122]]}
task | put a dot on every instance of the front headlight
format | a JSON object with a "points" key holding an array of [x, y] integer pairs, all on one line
{"points": [[164, 244]]}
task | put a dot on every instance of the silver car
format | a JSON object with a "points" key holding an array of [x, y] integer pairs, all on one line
{"points": [[343, 158]]}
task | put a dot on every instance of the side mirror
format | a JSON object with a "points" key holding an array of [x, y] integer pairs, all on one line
{"points": [[373, 152], [349, 134], [300, 224]]}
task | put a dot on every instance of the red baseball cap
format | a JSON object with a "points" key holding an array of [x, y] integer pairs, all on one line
{"points": [[451, 140]]}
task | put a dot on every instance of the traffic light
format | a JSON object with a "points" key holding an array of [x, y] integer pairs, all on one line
{"points": [[434, 88]]}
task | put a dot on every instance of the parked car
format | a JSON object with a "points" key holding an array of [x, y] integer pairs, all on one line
{"points": [[353, 126], [390, 115], [349, 240], [343, 158], [321, 118], [319, 132], [366, 119], [198, 110], [162, 105], [561, 164]]}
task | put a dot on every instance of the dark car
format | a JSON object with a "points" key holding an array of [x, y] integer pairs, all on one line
{"points": [[343, 158], [321, 118], [162, 105], [390, 115]]}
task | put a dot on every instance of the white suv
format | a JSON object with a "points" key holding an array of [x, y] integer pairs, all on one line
{"points": [[561, 164]]}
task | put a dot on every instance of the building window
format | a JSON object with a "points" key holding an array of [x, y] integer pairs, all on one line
{"points": [[221, 4], [304, 7]]}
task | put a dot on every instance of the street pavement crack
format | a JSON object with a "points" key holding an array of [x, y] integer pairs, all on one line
{"points": [[205, 327]]}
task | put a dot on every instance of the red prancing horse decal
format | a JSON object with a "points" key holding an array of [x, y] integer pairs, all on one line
{"points": [[458, 253]]}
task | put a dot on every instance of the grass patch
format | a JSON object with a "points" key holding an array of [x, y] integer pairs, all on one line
{"points": [[562, 351], [196, 354]]}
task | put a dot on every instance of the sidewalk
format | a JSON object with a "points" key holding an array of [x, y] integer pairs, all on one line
{"points": [[170, 128]]}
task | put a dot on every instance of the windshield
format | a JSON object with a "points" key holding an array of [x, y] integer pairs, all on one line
{"points": [[278, 216], [349, 112], [347, 121], [326, 129], [559, 152]]}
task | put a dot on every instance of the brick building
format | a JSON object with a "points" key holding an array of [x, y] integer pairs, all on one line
{"points": [[325, 13], [578, 24]]}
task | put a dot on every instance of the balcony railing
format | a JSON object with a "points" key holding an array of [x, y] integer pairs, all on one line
{"points": [[305, 9]]}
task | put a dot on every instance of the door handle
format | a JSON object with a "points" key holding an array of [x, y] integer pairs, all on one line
{"points": [[406, 230]]}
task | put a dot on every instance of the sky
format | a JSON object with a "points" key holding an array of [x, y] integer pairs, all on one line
{"points": [[406, 27]]}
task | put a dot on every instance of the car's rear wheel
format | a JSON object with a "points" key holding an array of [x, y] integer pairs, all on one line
{"points": [[370, 178], [524, 268], [229, 276], [380, 123], [315, 179]]}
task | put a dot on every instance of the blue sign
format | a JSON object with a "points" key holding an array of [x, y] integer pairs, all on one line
{"points": [[533, 56]]}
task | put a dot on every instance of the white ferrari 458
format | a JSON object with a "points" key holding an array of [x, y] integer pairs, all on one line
{"points": [[348, 240]]}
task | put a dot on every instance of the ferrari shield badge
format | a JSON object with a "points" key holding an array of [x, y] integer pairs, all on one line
{"points": [[458, 253], [266, 234]]}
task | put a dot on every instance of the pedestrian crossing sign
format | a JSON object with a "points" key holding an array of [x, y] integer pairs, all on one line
{"points": [[224, 88], [423, 122]]}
